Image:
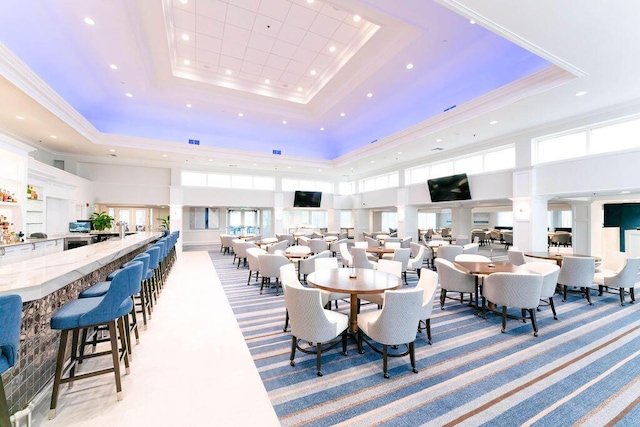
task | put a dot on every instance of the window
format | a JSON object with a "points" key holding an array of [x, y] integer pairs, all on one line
{"points": [[620, 136], [427, 220], [304, 218], [304, 185], [562, 147], [500, 159], [194, 179], [389, 220], [379, 182], [221, 180], [346, 219], [469, 165], [441, 169], [346, 188]]}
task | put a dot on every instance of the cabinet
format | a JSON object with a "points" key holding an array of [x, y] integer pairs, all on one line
{"points": [[34, 213]]}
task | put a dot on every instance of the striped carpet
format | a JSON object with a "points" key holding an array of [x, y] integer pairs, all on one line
{"points": [[583, 369]]}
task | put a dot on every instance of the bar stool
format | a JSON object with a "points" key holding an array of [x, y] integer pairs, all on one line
{"points": [[89, 312], [10, 319]]}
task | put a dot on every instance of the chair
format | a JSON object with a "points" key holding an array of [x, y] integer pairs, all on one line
{"points": [[326, 263], [579, 272], [394, 325], [334, 247], [308, 265], [227, 245], [345, 254], [279, 246], [402, 255], [612, 263], [254, 264], [405, 242], [241, 251], [549, 273], [318, 245], [472, 258], [453, 280], [311, 322], [90, 312], [508, 240], [359, 258], [479, 236], [449, 252], [624, 279], [289, 277], [514, 290], [388, 266], [371, 242], [561, 238], [415, 263], [270, 268], [470, 248], [10, 321], [304, 240], [516, 257], [462, 240], [428, 283], [286, 237], [234, 244]]}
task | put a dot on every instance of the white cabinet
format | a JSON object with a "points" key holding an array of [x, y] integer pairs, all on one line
{"points": [[16, 253], [35, 212]]}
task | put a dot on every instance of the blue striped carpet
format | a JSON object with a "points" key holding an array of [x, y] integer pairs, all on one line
{"points": [[583, 369]]}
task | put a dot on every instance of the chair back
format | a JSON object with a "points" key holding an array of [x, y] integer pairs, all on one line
{"points": [[392, 245], [145, 258], [289, 277], [308, 319], [402, 255], [334, 246], [371, 242], [415, 248], [399, 317], [347, 259], [318, 245], [577, 271], [10, 320], [252, 258], [548, 271], [472, 258], [462, 240], [405, 242], [613, 261], [417, 260], [391, 267], [325, 263], [513, 289], [452, 279], [154, 257], [470, 248], [286, 237], [627, 277], [270, 264], [279, 246], [360, 259], [308, 265], [449, 252], [428, 283], [516, 257]]}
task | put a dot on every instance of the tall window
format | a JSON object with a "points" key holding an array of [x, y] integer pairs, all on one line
{"points": [[389, 220], [380, 182], [222, 180], [427, 220], [346, 219]]}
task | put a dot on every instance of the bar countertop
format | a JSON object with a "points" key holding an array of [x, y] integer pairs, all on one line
{"points": [[34, 278]]}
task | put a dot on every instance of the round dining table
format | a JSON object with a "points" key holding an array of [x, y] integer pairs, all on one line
{"points": [[380, 250], [556, 256], [354, 281]]}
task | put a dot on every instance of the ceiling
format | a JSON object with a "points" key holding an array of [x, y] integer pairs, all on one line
{"points": [[198, 70]]}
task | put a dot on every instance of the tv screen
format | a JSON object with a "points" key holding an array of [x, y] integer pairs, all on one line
{"points": [[307, 199], [449, 188], [80, 226]]}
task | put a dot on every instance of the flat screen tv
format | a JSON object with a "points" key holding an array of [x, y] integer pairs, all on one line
{"points": [[307, 199], [449, 188], [80, 226]]}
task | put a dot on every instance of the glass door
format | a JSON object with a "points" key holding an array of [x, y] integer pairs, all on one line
{"points": [[243, 221]]}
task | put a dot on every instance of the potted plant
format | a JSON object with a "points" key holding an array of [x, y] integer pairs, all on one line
{"points": [[101, 220], [165, 222]]}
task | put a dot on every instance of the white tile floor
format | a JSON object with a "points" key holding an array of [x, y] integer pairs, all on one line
{"points": [[192, 366]]}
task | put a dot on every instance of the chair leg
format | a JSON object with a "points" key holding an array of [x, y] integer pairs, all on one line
{"points": [[115, 358], [384, 360], [58, 375], [504, 318], [587, 291], [360, 349], [412, 356], [286, 321], [293, 350], [564, 294], [534, 323], [443, 295], [622, 296], [5, 419], [553, 308], [344, 342], [319, 358], [428, 327], [74, 354], [632, 295]]}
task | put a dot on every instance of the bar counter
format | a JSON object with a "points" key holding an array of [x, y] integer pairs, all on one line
{"points": [[45, 284]]}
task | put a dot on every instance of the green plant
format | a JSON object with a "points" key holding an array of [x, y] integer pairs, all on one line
{"points": [[165, 221], [101, 220]]}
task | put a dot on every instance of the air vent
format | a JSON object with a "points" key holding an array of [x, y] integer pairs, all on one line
{"points": [[194, 142], [277, 152], [450, 108], [437, 149], [375, 140]]}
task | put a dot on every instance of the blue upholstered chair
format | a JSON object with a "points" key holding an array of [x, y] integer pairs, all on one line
{"points": [[10, 317], [89, 312]]}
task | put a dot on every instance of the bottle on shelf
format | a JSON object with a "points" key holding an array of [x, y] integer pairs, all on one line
{"points": [[28, 192]]}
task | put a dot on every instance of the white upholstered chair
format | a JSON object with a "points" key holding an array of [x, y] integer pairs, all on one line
{"points": [[415, 263], [470, 248], [312, 323], [388, 266], [318, 245], [278, 246], [270, 268], [612, 262], [449, 252], [514, 290], [624, 279], [453, 280], [428, 283], [549, 272], [359, 258], [240, 250], [252, 260], [308, 265], [345, 254], [402, 255], [325, 263], [394, 325], [578, 272], [289, 277], [516, 257]]}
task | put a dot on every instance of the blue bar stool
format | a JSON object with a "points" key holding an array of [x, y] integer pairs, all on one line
{"points": [[10, 318], [89, 312]]}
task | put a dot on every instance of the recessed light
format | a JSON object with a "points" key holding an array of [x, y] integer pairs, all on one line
{"points": [[228, 72], [284, 122], [332, 49], [288, 167], [373, 161], [185, 37], [211, 160], [319, 170], [89, 21], [313, 72], [128, 95], [625, 192], [112, 151], [439, 140], [20, 117], [342, 114], [369, 95], [184, 1], [472, 22], [399, 152], [164, 155], [189, 105], [321, 128], [356, 18], [581, 93], [53, 136], [493, 122], [267, 81], [113, 66], [186, 62], [240, 115], [299, 88], [409, 66]]}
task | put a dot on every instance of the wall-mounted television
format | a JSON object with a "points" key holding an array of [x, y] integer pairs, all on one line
{"points": [[80, 226], [307, 199], [449, 188]]}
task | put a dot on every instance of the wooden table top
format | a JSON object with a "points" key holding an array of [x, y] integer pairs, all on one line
{"points": [[367, 281], [557, 257], [470, 267], [380, 250]]}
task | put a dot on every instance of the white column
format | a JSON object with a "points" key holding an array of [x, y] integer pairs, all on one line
{"points": [[530, 213], [461, 221]]}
